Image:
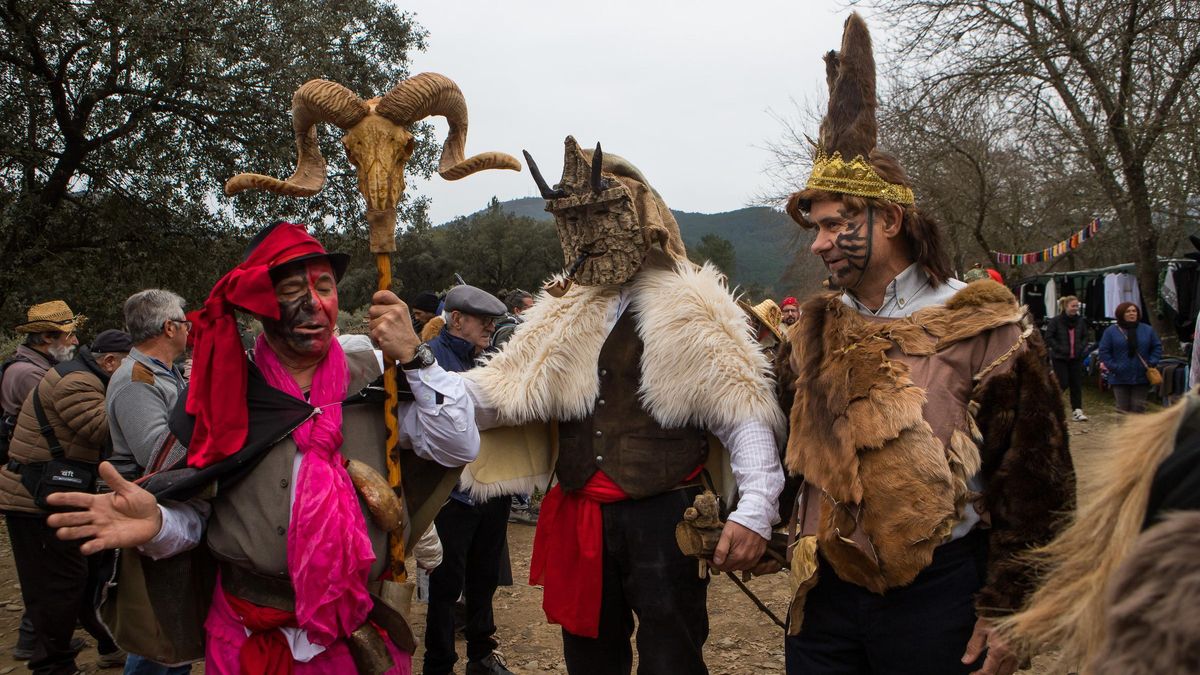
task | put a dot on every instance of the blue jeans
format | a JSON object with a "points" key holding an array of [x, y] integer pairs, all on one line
{"points": [[138, 665]]}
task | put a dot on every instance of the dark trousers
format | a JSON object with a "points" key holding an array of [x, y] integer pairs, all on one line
{"points": [[473, 541], [1070, 376], [58, 586], [645, 574], [1131, 398], [919, 629]]}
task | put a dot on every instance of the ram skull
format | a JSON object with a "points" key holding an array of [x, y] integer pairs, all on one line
{"points": [[378, 144]]}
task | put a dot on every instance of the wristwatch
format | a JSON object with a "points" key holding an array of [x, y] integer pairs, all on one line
{"points": [[422, 359]]}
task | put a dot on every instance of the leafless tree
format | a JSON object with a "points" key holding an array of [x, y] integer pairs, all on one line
{"points": [[1115, 80]]}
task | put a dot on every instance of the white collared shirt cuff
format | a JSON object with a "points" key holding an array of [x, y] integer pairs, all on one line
{"points": [[182, 527], [426, 383], [754, 513], [442, 432]]}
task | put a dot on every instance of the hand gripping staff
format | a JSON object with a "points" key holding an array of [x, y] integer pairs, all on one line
{"points": [[378, 144]]}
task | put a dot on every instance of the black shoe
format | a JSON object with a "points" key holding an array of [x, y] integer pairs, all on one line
{"points": [[492, 665]]}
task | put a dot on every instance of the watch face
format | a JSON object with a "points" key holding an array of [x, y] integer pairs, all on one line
{"points": [[425, 356]]}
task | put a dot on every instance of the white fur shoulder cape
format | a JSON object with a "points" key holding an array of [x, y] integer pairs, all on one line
{"points": [[700, 365]]}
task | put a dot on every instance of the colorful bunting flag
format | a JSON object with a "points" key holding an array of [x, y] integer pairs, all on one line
{"points": [[1061, 248]]}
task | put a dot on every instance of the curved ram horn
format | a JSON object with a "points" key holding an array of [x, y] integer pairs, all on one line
{"points": [[428, 94], [315, 101], [547, 193], [597, 165]]}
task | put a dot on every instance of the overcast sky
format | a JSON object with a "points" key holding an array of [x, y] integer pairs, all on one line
{"points": [[684, 90]]}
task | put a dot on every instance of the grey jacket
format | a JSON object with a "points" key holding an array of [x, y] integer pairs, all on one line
{"points": [[140, 397]]}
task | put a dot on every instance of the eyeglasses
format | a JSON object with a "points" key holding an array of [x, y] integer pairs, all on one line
{"points": [[182, 322]]}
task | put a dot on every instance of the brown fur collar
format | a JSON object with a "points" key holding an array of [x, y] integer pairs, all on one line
{"points": [[839, 357]]}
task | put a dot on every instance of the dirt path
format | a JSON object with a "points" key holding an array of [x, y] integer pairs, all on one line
{"points": [[741, 641]]}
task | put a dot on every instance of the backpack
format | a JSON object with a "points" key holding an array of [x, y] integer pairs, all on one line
{"points": [[8, 423]]}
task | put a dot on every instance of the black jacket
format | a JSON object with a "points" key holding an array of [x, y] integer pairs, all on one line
{"points": [[1058, 339]]}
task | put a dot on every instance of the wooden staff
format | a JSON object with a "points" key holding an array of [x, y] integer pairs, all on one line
{"points": [[377, 136]]}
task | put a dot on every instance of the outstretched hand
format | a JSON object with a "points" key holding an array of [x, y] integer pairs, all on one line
{"points": [[126, 517]]}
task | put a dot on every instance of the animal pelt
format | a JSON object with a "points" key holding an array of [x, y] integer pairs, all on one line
{"points": [[700, 365], [859, 433], [849, 125], [1066, 613], [1152, 620]]}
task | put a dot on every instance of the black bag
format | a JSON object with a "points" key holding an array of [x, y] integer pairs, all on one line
{"points": [[60, 474]]}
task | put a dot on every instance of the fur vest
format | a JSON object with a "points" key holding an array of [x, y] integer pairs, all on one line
{"points": [[700, 368], [892, 420]]}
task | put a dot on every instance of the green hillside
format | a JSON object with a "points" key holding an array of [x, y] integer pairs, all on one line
{"points": [[765, 240]]}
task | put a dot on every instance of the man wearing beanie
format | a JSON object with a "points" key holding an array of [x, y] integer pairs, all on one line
{"points": [[423, 308]]}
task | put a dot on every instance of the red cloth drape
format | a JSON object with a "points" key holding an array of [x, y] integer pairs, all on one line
{"points": [[266, 650], [217, 391], [568, 554]]}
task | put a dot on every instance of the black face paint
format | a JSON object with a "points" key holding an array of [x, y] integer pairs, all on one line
{"points": [[305, 323], [856, 246]]}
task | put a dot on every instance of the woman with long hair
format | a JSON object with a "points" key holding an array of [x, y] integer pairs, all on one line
{"points": [[1066, 340], [1127, 349]]}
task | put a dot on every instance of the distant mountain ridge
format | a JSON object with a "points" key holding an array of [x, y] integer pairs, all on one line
{"points": [[765, 240]]}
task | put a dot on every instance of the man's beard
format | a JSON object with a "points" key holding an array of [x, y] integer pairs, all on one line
{"points": [[62, 353]]}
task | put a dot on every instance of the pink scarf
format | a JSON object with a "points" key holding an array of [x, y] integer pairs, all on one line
{"points": [[329, 554]]}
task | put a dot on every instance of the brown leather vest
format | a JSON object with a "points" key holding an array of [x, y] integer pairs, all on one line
{"points": [[619, 436]]}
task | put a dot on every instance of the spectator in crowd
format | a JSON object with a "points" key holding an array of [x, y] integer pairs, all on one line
{"points": [[790, 309], [50, 339], [1127, 349], [764, 321], [143, 392], [517, 302], [1066, 340], [140, 398], [473, 533], [63, 420], [423, 307], [49, 331]]}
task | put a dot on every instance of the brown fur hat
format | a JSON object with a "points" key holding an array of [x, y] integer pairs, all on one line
{"points": [[849, 126]]}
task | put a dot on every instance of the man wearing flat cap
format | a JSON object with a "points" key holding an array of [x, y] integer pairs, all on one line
{"points": [[290, 440], [473, 531], [61, 434]]}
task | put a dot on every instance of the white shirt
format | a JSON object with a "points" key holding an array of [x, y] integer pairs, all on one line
{"points": [[910, 291], [753, 454]]}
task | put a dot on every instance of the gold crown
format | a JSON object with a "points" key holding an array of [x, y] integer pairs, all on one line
{"points": [[856, 177]]}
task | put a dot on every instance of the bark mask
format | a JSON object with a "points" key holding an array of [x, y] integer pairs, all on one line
{"points": [[608, 218]]}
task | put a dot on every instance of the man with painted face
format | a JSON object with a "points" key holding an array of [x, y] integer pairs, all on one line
{"points": [[643, 362], [925, 424], [291, 441]]}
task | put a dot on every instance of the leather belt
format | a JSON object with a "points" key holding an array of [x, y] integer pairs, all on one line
{"points": [[262, 590]]}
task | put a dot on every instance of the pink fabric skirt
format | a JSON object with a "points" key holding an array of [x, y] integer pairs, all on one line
{"points": [[226, 636]]}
